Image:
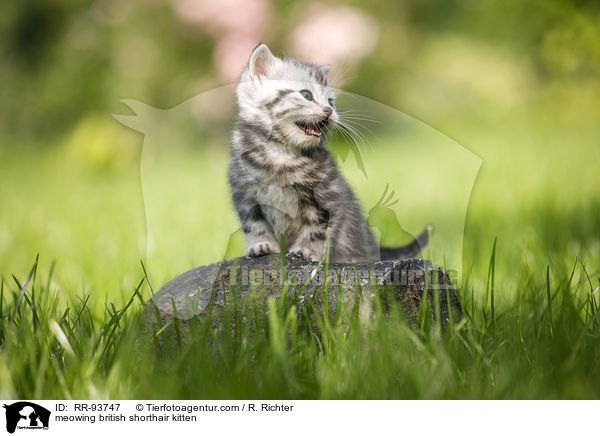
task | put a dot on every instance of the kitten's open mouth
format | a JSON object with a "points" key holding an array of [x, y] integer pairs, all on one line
{"points": [[311, 129]]}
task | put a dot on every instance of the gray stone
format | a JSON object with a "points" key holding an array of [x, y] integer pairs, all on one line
{"points": [[197, 292]]}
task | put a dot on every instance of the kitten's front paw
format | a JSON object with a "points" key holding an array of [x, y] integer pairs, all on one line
{"points": [[262, 248], [306, 253]]}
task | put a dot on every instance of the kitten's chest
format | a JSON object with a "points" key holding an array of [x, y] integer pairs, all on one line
{"points": [[280, 183], [284, 172], [277, 201], [281, 196]]}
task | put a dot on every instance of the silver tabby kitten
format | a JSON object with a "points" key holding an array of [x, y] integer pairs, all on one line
{"points": [[282, 178]]}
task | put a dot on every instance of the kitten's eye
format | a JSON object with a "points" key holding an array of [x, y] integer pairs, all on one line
{"points": [[331, 102], [306, 94]]}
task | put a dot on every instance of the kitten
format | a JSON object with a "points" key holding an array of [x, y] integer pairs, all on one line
{"points": [[283, 180]]}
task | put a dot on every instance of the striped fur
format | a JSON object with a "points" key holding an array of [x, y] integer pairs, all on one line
{"points": [[283, 180]]}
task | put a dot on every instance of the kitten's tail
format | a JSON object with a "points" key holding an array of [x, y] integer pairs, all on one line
{"points": [[410, 250]]}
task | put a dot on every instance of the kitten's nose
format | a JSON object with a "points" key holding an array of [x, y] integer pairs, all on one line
{"points": [[328, 111]]}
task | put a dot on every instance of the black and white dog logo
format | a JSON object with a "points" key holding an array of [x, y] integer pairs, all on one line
{"points": [[26, 415]]}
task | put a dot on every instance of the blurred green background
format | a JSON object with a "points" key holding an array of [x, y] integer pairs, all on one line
{"points": [[515, 82]]}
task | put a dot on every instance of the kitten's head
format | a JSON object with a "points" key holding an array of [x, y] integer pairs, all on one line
{"points": [[289, 99]]}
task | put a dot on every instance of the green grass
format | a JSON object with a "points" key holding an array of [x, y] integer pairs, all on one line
{"points": [[544, 342]]}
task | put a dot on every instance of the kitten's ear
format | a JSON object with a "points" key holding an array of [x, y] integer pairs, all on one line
{"points": [[261, 61], [325, 69]]}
